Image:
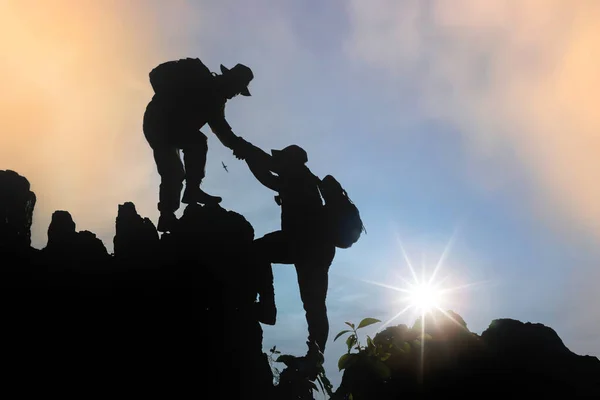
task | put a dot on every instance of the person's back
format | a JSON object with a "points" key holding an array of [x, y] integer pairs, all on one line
{"points": [[301, 204]]}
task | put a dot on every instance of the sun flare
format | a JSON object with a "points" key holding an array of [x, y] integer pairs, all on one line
{"points": [[425, 297], [427, 293]]}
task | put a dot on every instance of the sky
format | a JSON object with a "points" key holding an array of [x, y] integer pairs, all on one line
{"points": [[463, 129]]}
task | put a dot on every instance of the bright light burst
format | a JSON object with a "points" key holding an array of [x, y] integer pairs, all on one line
{"points": [[425, 297]]}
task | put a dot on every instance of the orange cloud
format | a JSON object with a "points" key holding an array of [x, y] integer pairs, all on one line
{"points": [[74, 88]]}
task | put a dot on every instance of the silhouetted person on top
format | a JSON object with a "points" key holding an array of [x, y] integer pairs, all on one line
{"points": [[188, 96], [304, 239]]}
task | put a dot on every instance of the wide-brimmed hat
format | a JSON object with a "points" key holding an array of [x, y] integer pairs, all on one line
{"points": [[240, 73], [291, 154]]}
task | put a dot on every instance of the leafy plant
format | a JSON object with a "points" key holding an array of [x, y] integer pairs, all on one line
{"points": [[372, 354], [321, 379]]}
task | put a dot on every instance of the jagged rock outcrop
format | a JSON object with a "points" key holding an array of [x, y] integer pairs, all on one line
{"points": [[179, 313], [212, 248], [17, 203], [68, 248], [61, 231], [135, 237], [536, 357], [510, 358], [511, 336]]}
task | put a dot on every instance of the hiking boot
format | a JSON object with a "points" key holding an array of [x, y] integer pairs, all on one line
{"points": [[166, 222], [194, 194]]}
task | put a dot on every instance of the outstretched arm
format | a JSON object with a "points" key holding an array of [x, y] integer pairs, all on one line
{"points": [[218, 124], [263, 174], [260, 163]]}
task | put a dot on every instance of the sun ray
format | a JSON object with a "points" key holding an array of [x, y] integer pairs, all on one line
{"points": [[451, 318], [443, 256], [385, 286], [385, 324], [405, 255], [403, 279]]}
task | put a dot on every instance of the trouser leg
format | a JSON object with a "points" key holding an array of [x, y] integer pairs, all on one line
{"points": [[194, 158], [170, 169], [157, 130], [271, 248], [313, 284]]}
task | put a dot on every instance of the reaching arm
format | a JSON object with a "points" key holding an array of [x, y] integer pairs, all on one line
{"points": [[221, 128], [260, 163], [263, 173]]}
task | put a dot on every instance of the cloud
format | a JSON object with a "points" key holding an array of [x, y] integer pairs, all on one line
{"points": [[74, 89], [517, 78]]}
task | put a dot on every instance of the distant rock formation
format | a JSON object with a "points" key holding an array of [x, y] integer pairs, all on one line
{"points": [[68, 248], [135, 237], [17, 202], [510, 358]]}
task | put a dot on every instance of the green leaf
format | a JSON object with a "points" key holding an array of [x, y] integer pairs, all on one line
{"points": [[351, 341], [385, 356], [346, 360], [341, 333], [367, 322], [350, 397], [350, 324]]}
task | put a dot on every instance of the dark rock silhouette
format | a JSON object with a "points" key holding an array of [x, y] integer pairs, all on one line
{"points": [[510, 358], [67, 247], [61, 231], [17, 202], [136, 238], [168, 316], [180, 315]]}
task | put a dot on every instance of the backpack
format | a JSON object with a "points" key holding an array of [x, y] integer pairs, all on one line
{"points": [[343, 216], [179, 75]]}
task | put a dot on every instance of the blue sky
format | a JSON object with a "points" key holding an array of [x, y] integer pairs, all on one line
{"points": [[471, 122]]}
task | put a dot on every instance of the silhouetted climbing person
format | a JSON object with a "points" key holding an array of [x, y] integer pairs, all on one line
{"points": [[188, 96], [304, 238]]}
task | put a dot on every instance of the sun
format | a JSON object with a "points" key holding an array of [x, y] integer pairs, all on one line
{"points": [[426, 293], [425, 297]]}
